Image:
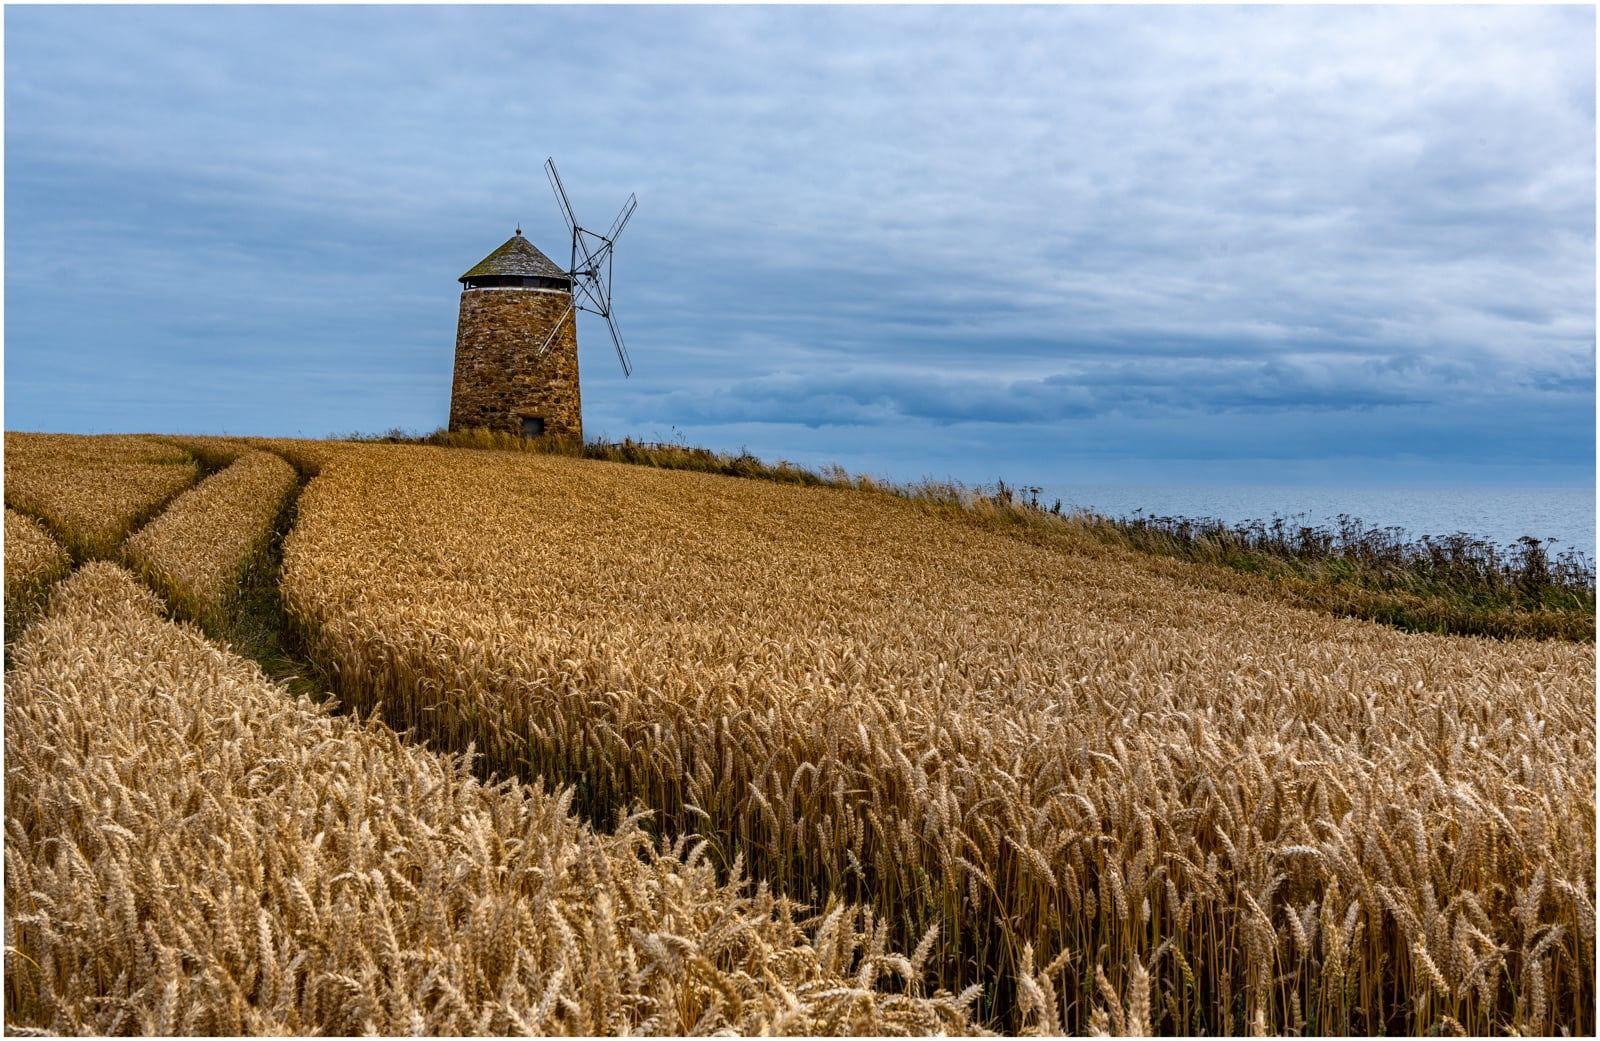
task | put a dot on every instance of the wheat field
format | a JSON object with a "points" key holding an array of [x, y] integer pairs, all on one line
{"points": [[33, 561], [807, 728], [92, 491], [309, 457], [1125, 801], [217, 451], [192, 850], [195, 552]]}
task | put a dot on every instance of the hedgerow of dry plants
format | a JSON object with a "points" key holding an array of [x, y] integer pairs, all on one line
{"points": [[195, 552], [1086, 774], [92, 491], [189, 849], [34, 561]]}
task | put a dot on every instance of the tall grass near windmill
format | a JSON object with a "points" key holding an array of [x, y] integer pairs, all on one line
{"points": [[1096, 780], [191, 850]]}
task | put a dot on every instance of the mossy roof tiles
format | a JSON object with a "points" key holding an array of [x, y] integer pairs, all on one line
{"points": [[517, 256]]}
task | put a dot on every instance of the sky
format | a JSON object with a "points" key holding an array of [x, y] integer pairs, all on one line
{"points": [[1257, 245]]}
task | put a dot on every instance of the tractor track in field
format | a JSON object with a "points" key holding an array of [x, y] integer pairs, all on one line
{"points": [[257, 627]]}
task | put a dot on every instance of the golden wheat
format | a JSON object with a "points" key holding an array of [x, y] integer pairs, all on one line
{"points": [[34, 561], [91, 491], [92, 448], [307, 456], [1224, 814], [196, 551], [213, 451], [191, 850]]}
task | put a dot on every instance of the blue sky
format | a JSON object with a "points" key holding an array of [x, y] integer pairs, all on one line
{"points": [[1069, 244]]}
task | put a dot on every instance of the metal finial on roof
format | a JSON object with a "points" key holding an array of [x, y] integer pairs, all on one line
{"points": [[519, 227]]}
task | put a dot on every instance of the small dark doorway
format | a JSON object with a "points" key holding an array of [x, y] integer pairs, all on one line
{"points": [[532, 426]]}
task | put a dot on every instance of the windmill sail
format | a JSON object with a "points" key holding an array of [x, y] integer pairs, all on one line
{"points": [[623, 216], [591, 279], [556, 328], [561, 194], [622, 349]]}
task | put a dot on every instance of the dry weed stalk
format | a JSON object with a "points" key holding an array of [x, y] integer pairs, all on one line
{"points": [[1287, 820], [189, 849], [197, 550]]}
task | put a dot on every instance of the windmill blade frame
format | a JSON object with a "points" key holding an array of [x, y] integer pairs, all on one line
{"points": [[561, 194], [623, 216], [590, 284], [544, 348], [594, 257], [594, 288], [622, 349]]}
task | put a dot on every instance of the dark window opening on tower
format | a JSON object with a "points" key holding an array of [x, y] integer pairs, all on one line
{"points": [[532, 426], [516, 282]]}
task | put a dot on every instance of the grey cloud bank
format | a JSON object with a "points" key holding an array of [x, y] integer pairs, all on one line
{"points": [[1058, 244]]}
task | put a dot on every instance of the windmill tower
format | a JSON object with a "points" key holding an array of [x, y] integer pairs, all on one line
{"points": [[517, 339]]}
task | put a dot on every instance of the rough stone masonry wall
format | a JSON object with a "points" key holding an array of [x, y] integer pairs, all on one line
{"points": [[498, 379]]}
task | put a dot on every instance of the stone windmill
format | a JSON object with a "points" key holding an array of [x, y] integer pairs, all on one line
{"points": [[517, 339]]}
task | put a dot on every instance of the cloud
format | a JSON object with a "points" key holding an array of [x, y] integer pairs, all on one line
{"points": [[1182, 386], [909, 221]]}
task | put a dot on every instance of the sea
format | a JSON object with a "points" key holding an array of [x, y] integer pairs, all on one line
{"points": [[1563, 517]]}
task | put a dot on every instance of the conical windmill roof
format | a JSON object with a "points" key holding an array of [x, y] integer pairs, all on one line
{"points": [[517, 257]]}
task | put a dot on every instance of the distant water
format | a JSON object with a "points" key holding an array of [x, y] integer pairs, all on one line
{"points": [[1565, 516]]}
